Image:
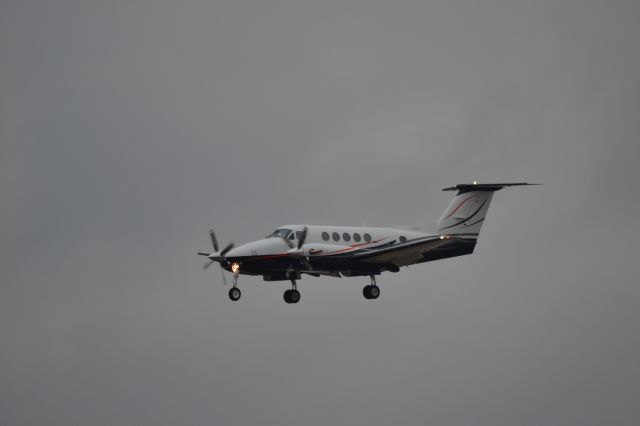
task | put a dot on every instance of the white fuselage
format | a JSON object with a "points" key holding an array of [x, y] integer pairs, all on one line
{"points": [[325, 240]]}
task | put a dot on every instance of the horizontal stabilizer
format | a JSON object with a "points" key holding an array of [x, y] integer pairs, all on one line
{"points": [[488, 187]]}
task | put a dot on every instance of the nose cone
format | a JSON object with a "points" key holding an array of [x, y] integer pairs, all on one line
{"points": [[264, 247]]}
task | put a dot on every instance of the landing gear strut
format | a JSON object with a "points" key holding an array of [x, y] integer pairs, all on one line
{"points": [[234, 292], [292, 295], [371, 291]]}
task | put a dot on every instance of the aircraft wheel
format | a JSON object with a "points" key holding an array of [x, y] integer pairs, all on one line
{"points": [[287, 296], [366, 292], [374, 292], [294, 296], [234, 294]]}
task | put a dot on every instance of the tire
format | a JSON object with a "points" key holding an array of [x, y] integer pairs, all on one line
{"points": [[287, 296], [366, 293], [374, 292], [234, 294], [294, 296]]}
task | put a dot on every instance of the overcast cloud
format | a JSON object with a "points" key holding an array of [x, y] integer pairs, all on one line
{"points": [[129, 128]]}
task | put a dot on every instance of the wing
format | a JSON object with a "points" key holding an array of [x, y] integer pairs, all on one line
{"points": [[412, 251]]}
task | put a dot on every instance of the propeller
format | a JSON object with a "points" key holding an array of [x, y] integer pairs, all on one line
{"points": [[206, 265], [226, 249], [224, 277], [302, 237], [216, 256], [214, 240], [297, 251]]}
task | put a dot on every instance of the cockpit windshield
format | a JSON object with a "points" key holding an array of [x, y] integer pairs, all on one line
{"points": [[280, 233]]}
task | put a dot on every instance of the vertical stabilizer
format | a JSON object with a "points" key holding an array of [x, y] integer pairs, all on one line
{"points": [[466, 212]]}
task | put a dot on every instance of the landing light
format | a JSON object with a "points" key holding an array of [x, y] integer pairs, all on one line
{"points": [[235, 267], [475, 183]]}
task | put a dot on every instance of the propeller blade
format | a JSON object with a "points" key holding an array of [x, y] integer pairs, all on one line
{"points": [[201, 253], [226, 249], [224, 278], [302, 238], [206, 265], [214, 240]]}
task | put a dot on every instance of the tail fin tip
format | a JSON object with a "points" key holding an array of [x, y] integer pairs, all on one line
{"points": [[488, 187]]}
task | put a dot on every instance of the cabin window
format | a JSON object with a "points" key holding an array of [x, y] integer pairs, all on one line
{"points": [[367, 238], [346, 236], [292, 236], [356, 237], [335, 236], [403, 239], [325, 236]]}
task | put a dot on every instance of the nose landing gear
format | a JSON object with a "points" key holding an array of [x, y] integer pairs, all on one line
{"points": [[371, 291], [292, 295], [234, 292]]}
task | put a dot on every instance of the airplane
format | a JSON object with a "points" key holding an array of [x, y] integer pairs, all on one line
{"points": [[348, 251]]}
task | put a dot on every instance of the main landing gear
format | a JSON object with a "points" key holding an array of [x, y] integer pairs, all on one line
{"points": [[292, 295], [234, 292], [371, 291]]}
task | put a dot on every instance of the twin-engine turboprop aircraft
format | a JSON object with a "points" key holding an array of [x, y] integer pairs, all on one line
{"points": [[347, 251]]}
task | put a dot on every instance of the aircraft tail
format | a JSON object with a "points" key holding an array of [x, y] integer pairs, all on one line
{"points": [[468, 209]]}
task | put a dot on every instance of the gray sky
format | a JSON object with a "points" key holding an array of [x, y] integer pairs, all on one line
{"points": [[128, 129]]}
